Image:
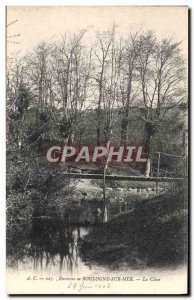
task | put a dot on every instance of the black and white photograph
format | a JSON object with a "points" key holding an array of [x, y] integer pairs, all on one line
{"points": [[97, 150]]}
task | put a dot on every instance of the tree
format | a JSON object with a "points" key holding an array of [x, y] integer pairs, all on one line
{"points": [[108, 110], [71, 66], [161, 72], [101, 60], [129, 84]]}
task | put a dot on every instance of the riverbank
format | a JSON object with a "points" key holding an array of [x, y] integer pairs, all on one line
{"points": [[153, 234]]}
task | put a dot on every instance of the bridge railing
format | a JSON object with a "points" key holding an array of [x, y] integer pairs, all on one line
{"points": [[168, 165], [165, 167]]}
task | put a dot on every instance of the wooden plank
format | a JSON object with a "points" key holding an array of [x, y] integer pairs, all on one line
{"points": [[120, 177]]}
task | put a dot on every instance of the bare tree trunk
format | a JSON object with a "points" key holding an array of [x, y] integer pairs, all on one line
{"points": [[98, 134], [104, 212], [148, 150], [148, 167], [104, 197], [124, 127], [99, 108]]}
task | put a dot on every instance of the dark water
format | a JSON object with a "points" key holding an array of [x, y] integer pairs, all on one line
{"points": [[52, 251], [53, 238], [52, 241]]}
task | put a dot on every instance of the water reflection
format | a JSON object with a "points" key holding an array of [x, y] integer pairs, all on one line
{"points": [[52, 244], [52, 238]]}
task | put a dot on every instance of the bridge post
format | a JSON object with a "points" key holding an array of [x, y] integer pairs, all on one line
{"points": [[157, 175]]}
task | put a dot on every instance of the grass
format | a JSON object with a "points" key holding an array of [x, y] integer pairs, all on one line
{"points": [[153, 234]]}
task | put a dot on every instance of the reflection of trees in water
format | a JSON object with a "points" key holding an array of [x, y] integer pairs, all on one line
{"points": [[53, 238]]}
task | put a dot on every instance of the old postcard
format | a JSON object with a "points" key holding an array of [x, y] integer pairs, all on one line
{"points": [[97, 150]]}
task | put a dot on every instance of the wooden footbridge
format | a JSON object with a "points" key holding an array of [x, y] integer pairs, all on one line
{"points": [[123, 177]]}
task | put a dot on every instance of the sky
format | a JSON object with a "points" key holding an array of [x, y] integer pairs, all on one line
{"points": [[47, 23]]}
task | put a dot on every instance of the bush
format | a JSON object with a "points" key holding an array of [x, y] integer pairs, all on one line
{"points": [[153, 234]]}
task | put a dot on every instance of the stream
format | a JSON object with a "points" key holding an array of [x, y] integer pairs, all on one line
{"points": [[52, 245]]}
